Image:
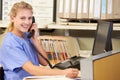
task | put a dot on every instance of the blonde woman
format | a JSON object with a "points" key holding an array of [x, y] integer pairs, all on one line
{"points": [[18, 54]]}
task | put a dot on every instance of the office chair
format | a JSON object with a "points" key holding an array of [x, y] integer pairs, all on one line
{"points": [[1, 68], [1, 73]]}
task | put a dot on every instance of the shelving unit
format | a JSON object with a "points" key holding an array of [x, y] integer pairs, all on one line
{"points": [[4, 24], [80, 26], [72, 26]]}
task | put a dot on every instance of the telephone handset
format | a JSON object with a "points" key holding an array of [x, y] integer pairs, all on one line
{"points": [[31, 32], [73, 62]]}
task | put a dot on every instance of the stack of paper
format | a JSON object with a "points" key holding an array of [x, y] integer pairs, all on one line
{"points": [[57, 77]]}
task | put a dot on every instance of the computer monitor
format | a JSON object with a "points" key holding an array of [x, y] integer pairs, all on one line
{"points": [[102, 41]]}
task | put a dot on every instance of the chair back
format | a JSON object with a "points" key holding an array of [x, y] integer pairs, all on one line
{"points": [[1, 73]]}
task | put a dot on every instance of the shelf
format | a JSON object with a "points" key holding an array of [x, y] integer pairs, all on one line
{"points": [[4, 24], [80, 26], [73, 26]]}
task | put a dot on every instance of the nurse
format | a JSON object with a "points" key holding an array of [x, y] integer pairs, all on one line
{"points": [[19, 54]]}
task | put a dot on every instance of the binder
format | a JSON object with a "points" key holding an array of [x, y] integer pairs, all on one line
{"points": [[110, 9], [97, 9], [60, 8], [73, 8], [79, 9], [85, 9], [103, 9], [91, 9], [116, 9], [66, 9]]}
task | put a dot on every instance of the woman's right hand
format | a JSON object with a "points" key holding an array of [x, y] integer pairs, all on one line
{"points": [[71, 72]]}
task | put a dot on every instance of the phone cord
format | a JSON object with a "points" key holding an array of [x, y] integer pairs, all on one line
{"points": [[46, 61]]}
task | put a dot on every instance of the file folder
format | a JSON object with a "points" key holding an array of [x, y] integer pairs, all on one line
{"points": [[73, 8], [97, 9], [85, 9], [59, 48], [91, 9], [116, 9], [110, 9], [60, 8], [66, 9], [103, 9], [74, 49], [79, 9]]}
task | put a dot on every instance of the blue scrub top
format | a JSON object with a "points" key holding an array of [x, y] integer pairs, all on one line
{"points": [[14, 53]]}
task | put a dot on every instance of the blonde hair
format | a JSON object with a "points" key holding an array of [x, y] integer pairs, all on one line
{"points": [[14, 10]]}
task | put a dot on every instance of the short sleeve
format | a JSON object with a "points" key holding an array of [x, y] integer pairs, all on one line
{"points": [[13, 57]]}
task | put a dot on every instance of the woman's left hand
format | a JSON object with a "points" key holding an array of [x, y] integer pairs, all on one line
{"points": [[34, 26]]}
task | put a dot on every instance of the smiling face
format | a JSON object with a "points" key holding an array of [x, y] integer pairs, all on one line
{"points": [[22, 21], [21, 18]]}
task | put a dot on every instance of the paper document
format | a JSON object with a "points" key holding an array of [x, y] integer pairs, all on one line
{"points": [[85, 53], [57, 77]]}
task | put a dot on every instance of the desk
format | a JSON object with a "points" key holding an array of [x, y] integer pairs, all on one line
{"points": [[104, 66]]}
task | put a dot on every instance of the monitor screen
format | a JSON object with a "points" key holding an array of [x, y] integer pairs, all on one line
{"points": [[102, 41]]}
